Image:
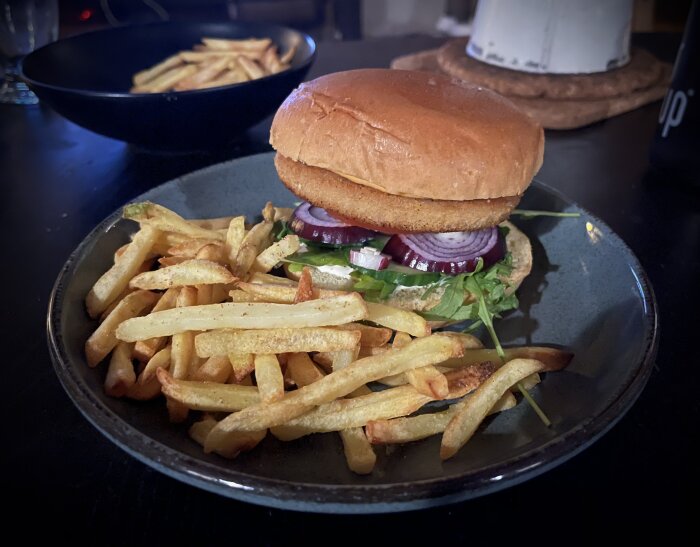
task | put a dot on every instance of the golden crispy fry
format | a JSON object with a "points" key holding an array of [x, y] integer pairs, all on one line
{"points": [[344, 357], [181, 354], [235, 235], [372, 337], [471, 412], [288, 55], [268, 376], [167, 80], [167, 261], [274, 254], [162, 218], [428, 381], [359, 453], [282, 293], [144, 350], [238, 296], [242, 364], [283, 213], [104, 339], [145, 76], [270, 61], [252, 68], [111, 284], [250, 44], [554, 359], [199, 430], [215, 369], [190, 247], [305, 288], [343, 414], [398, 319], [404, 430], [253, 315], [209, 396], [213, 253], [302, 370], [224, 341], [190, 272], [231, 443], [401, 339], [229, 77], [159, 360], [421, 352], [253, 242], [260, 278], [120, 374], [204, 74]]}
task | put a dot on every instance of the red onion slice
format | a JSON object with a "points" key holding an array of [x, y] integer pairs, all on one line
{"points": [[315, 224], [369, 258], [450, 252]]}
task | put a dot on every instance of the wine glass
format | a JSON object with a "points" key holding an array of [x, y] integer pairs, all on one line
{"points": [[25, 25]]}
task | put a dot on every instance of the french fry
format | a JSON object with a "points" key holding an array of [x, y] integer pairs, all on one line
{"points": [[239, 296], [359, 453], [215, 369], [251, 67], [144, 350], [372, 337], [227, 78], [210, 396], [231, 443], [260, 278], [242, 364], [282, 293], [120, 374], [162, 218], [344, 357], [215, 223], [268, 376], [234, 239], [143, 77], [205, 74], [252, 315], [415, 428], [420, 352], [554, 359], [305, 288], [401, 339], [181, 356], [104, 339], [199, 430], [224, 341], [166, 80], [274, 254], [343, 414], [190, 272], [288, 55], [471, 412], [270, 61], [302, 370], [160, 360], [111, 284], [250, 248], [428, 381], [398, 319], [190, 247], [250, 44], [144, 391]]}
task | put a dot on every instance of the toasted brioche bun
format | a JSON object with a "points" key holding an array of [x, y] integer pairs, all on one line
{"points": [[410, 298], [411, 134]]}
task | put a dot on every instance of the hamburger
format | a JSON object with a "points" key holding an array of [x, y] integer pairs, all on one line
{"points": [[407, 179]]}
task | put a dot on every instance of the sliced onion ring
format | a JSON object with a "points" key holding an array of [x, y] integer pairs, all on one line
{"points": [[369, 258], [450, 253], [315, 224]]}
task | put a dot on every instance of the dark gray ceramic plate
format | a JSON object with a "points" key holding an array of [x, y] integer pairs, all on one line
{"points": [[587, 292]]}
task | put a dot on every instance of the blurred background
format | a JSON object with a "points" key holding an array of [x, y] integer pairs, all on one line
{"points": [[330, 19]]}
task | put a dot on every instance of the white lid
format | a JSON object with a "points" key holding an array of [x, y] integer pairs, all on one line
{"points": [[552, 36]]}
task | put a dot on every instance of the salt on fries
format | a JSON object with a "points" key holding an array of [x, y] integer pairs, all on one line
{"points": [[213, 63], [194, 305]]}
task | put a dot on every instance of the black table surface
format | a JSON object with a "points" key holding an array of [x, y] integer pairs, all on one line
{"points": [[59, 180]]}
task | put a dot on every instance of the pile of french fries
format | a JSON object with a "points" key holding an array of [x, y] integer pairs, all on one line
{"points": [[213, 63], [191, 312]]}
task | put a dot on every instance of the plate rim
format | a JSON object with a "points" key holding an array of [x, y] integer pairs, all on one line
{"points": [[334, 498]]}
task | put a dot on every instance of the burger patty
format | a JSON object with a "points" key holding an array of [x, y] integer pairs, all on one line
{"points": [[361, 205]]}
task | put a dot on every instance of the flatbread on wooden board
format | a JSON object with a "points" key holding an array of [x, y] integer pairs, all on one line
{"points": [[641, 72], [559, 113]]}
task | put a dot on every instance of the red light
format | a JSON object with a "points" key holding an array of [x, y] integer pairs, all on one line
{"points": [[85, 14]]}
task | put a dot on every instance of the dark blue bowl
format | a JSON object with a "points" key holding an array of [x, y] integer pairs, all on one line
{"points": [[86, 78]]}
